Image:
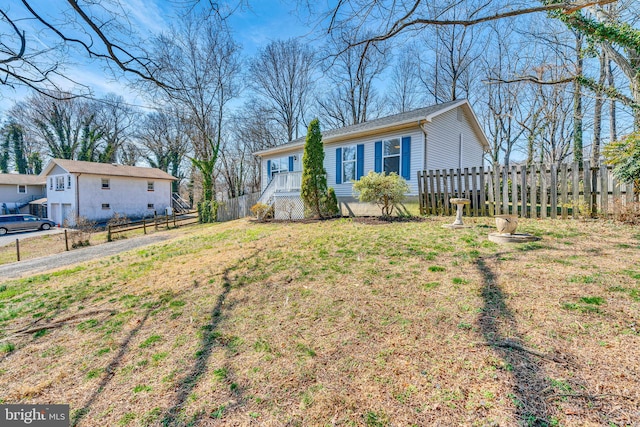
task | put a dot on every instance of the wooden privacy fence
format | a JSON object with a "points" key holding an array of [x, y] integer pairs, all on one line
{"points": [[236, 208], [536, 191]]}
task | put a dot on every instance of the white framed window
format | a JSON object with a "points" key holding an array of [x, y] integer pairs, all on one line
{"points": [[150, 186], [68, 181], [50, 183], [105, 184], [279, 165], [349, 163], [22, 189], [106, 206], [391, 155], [150, 206], [59, 183]]}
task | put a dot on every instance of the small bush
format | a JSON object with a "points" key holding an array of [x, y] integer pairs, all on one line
{"points": [[384, 190], [207, 211], [262, 211], [118, 219], [627, 213], [82, 231], [330, 204]]}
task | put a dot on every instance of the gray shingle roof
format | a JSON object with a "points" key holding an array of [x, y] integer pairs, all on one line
{"points": [[406, 117]]}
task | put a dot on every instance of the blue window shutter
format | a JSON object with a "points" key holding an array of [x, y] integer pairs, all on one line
{"points": [[406, 157], [268, 170], [360, 161], [377, 163], [290, 163], [338, 165]]}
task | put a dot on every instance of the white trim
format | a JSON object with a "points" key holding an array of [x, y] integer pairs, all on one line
{"points": [[25, 188], [354, 161]]}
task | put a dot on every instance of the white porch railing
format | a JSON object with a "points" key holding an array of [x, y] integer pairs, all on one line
{"points": [[283, 182]]}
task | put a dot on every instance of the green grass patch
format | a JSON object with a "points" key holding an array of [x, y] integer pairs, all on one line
{"points": [[150, 341], [141, 388]]}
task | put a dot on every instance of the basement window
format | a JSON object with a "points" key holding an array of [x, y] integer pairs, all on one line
{"points": [[149, 205], [22, 189], [106, 206], [105, 184], [150, 186]]}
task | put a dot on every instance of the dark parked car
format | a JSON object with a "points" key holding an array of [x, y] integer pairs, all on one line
{"points": [[23, 222]]}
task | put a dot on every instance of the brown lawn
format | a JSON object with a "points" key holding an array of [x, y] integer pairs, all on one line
{"points": [[337, 323]]}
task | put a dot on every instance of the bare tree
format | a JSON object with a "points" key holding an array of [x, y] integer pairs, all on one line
{"points": [[450, 74], [165, 141], [282, 75], [201, 61], [352, 74], [404, 92], [65, 127], [116, 120], [35, 38], [382, 20]]}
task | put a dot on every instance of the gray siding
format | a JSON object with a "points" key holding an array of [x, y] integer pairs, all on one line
{"points": [[443, 142], [346, 189]]}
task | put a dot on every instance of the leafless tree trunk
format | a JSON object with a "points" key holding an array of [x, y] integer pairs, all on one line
{"points": [[201, 61], [352, 74], [404, 92], [282, 75], [164, 138], [597, 110]]}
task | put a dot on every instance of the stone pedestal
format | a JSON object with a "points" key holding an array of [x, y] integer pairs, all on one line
{"points": [[459, 202]]}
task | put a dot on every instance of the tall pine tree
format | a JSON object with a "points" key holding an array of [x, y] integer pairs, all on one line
{"points": [[314, 176]]}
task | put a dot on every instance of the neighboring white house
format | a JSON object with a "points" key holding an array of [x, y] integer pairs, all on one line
{"points": [[17, 191], [97, 191], [442, 136]]}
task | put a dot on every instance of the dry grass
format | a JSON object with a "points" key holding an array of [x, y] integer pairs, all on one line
{"points": [[39, 246], [337, 323]]}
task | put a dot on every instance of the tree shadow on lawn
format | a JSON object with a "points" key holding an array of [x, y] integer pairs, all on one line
{"points": [[499, 328], [111, 368], [209, 339]]}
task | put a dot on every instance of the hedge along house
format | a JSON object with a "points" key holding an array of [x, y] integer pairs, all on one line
{"points": [[18, 192], [442, 136], [97, 191]]}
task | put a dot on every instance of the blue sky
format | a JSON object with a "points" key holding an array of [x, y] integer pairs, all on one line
{"points": [[253, 27]]}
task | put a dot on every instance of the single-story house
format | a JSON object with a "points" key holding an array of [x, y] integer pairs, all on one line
{"points": [[17, 191], [442, 136], [97, 191]]}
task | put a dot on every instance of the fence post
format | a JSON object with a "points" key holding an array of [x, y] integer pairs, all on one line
{"points": [[66, 240], [144, 225], [18, 249], [174, 219], [523, 192], [594, 190], [553, 191], [155, 220], [166, 218], [108, 233]]}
